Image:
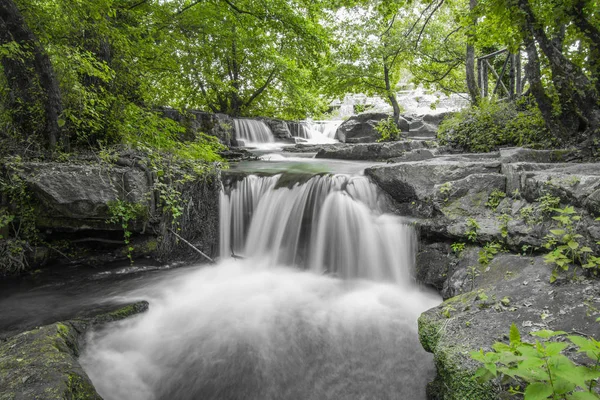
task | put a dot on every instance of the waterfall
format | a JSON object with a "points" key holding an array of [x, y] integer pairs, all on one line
{"points": [[280, 323], [325, 128], [329, 224], [252, 131]]}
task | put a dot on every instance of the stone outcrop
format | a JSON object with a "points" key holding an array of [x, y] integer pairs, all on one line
{"points": [[483, 223], [219, 125], [511, 289], [43, 363], [79, 204], [378, 151], [279, 128], [361, 128]]}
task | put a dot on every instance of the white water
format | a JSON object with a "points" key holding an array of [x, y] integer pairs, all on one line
{"points": [[325, 128], [261, 329], [252, 131]]}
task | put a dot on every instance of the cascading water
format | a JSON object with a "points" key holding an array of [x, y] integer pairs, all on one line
{"points": [[252, 131], [325, 128], [258, 328]]}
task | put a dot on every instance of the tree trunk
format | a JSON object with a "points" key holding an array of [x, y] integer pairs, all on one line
{"points": [[470, 62], [21, 83], [391, 95], [577, 95], [544, 102]]}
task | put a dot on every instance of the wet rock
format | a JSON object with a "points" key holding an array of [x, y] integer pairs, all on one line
{"points": [[83, 193], [417, 181], [279, 128], [372, 151], [42, 363], [360, 128], [433, 263], [520, 154], [512, 289]]}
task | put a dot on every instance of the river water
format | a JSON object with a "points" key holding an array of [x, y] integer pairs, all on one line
{"points": [[313, 298]]}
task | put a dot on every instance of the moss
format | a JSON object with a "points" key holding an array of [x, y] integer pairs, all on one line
{"points": [[80, 389], [122, 313]]}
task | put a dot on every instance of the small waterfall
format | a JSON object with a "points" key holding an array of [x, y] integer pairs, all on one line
{"points": [[329, 224], [325, 128], [252, 131], [256, 329]]}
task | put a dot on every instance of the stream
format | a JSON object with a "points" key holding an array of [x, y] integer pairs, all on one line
{"points": [[313, 297]]}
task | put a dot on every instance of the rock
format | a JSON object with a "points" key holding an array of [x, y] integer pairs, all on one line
{"points": [[360, 128], [416, 181], [512, 289], [219, 125], [520, 154], [436, 119], [42, 363], [433, 263], [279, 128], [371, 151], [83, 193]]}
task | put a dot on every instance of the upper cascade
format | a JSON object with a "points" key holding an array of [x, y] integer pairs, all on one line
{"points": [[252, 131], [325, 128], [332, 224]]}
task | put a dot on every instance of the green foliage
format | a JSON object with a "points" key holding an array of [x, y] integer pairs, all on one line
{"points": [[445, 190], [388, 129], [491, 125], [457, 247], [472, 227], [565, 244], [541, 369], [486, 255], [504, 220], [472, 273], [495, 198], [548, 203], [123, 213], [17, 221]]}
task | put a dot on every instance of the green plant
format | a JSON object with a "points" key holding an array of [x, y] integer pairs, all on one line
{"points": [[493, 124], [122, 213], [388, 129], [541, 368], [504, 220], [472, 273], [457, 247], [447, 310], [495, 198], [472, 227], [548, 203], [486, 255], [527, 214], [445, 190], [564, 243]]}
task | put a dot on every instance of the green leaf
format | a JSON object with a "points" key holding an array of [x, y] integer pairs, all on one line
{"points": [[538, 391], [546, 334], [583, 396], [514, 335]]}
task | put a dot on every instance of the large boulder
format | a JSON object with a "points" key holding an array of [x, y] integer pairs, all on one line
{"points": [[374, 151], [361, 128], [280, 128], [83, 193], [410, 181], [511, 289], [43, 363]]}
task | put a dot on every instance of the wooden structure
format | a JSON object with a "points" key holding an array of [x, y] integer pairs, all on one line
{"points": [[511, 65]]}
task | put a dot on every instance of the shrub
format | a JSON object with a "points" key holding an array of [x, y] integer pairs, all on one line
{"points": [[492, 125], [388, 129]]}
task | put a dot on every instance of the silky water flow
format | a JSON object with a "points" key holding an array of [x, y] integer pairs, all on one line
{"points": [[313, 299]]}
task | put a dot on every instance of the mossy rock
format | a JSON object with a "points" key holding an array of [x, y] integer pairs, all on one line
{"points": [[43, 363]]}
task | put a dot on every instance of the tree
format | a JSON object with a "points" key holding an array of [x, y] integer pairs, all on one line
{"points": [[30, 77]]}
